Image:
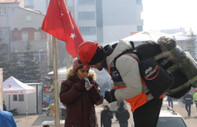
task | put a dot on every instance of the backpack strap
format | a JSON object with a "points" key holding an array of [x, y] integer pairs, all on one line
{"points": [[129, 51]]}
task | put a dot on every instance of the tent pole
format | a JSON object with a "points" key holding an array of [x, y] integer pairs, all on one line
{"points": [[1, 88], [9, 101], [26, 102], [55, 82]]}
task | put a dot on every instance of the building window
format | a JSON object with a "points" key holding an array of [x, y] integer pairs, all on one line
{"points": [[139, 2], [39, 55], [3, 11], [86, 15], [86, 2], [24, 36], [28, 2], [20, 97], [3, 31], [139, 28], [14, 97], [28, 18], [37, 36], [91, 30], [69, 2]]}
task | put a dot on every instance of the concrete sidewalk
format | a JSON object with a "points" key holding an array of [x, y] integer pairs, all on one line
{"points": [[36, 120]]}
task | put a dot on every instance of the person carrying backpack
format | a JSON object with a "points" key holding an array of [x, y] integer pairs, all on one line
{"points": [[188, 100], [128, 82]]}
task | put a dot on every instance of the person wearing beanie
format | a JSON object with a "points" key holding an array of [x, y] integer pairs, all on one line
{"points": [[128, 84], [79, 93]]}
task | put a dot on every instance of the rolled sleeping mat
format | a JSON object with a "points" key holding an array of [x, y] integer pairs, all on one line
{"points": [[181, 60]]}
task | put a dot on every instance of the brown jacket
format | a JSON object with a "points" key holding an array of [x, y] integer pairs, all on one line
{"points": [[80, 110]]}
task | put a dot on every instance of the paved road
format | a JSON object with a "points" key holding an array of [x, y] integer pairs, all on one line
{"points": [[36, 120], [190, 121]]}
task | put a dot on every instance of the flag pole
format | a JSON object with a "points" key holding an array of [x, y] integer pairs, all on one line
{"points": [[67, 60], [56, 85], [67, 54]]}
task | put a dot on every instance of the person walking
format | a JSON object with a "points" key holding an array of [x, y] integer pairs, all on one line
{"points": [[4, 106], [188, 100], [51, 109], [7, 119], [195, 97], [106, 117], [170, 101], [79, 93], [128, 84], [122, 115]]}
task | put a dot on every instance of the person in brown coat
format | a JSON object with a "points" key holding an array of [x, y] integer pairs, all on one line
{"points": [[79, 93]]}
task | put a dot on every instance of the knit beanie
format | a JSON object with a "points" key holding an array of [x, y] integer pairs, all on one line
{"points": [[76, 65], [98, 56]]}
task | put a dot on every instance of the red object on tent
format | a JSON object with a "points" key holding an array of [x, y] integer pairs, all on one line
{"points": [[14, 86], [59, 23]]}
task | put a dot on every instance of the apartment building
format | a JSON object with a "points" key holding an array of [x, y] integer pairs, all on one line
{"points": [[107, 20], [19, 27]]}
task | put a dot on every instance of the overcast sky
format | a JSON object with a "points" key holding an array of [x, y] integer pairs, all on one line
{"points": [[164, 14]]}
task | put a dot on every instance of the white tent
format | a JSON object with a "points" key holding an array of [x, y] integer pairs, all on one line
{"points": [[152, 35], [19, 96]]}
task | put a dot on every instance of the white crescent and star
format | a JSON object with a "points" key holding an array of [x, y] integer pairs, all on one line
{"points": [[72, 35]]}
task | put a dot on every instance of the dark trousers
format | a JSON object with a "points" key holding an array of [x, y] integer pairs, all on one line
{"points": [[188, 109], [123, 124], [170, 104], [147, 115]]}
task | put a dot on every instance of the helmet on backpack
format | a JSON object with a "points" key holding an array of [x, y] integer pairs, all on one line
{"points": [[90, 53], [166, 43]]}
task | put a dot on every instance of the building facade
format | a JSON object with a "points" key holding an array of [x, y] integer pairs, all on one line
{"points": [[107, 20], [20, 27], [98, 20]]}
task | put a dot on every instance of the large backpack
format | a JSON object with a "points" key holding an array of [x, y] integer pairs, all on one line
{"points": [[152, 49], [161, 74], [181, 65], [157, 79]]}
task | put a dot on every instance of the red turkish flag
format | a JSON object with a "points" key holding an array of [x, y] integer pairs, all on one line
{"points": [[59, 23]]}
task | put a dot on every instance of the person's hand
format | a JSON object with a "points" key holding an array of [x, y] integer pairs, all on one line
{"points": [[80, 85], [88, 85], [109, 96]]}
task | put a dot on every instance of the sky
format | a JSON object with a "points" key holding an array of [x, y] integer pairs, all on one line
{"points": [[166, 14]]}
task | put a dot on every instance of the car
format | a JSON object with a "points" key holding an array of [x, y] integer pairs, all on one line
{"points": [[169, 118]]}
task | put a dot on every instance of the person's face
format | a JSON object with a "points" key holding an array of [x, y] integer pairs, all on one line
{"points": [[82, 72], [98, 66]]}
